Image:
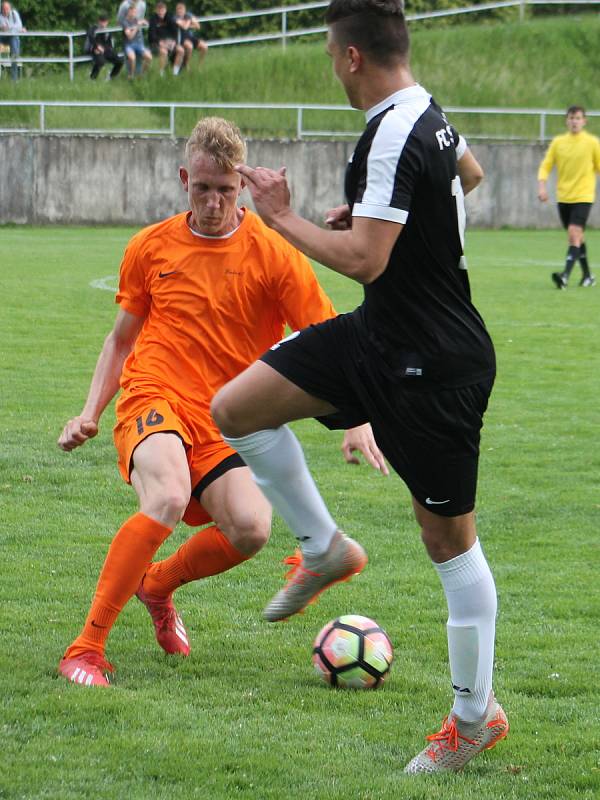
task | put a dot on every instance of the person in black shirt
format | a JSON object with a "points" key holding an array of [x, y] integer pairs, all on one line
{"points": [[414, 359], [99, 45], [189, 25], [163, 33]]}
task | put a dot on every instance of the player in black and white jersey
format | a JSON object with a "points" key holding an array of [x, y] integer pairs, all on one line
{"points": [[414, 359]]}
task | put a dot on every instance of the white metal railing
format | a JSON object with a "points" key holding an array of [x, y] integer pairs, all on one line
{"points": [[170, 130], [299, 110], [71, 36], [284, 33]]}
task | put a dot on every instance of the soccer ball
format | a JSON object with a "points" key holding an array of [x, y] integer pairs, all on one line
{"points": [[353, 652]]}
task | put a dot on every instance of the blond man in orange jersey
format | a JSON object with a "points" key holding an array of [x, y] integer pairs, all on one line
{"points": [[201, 295]]}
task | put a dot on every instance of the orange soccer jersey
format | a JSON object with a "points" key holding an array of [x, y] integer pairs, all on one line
{"points": [[212, 306]]}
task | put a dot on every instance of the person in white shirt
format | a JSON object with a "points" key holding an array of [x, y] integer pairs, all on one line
{"points": [[10, 22], [140, 10]]}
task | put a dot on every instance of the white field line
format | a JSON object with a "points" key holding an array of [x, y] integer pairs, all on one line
{"points": [[107, 283]]}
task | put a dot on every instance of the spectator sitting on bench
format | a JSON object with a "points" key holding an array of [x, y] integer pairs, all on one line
{"points": [[187, 24], [99, 44], [162, 36], [137, 54], [10, 22], [140, 10]]}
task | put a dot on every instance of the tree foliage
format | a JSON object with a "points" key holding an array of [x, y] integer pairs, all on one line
{"points": [[79, 14], [71, 15]]}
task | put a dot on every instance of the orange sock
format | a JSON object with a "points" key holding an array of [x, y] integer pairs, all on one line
{"points": [[129, 554], [207, 552]]}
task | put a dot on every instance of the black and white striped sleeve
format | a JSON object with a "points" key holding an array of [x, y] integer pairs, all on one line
{"points": [[460, 143], [393, 164]]}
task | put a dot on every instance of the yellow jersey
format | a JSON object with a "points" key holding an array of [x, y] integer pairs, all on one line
{"points": [[577, 160]]}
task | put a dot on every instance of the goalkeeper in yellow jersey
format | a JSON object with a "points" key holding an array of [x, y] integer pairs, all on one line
{"points": [[576, 155]]}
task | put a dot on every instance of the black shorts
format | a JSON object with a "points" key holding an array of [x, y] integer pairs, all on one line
{"points": [[574, 213], [186, 36], [229, 462], [430, 438]]}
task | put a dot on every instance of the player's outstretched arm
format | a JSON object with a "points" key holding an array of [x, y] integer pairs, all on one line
{"points": [[362, 439], [470, 171], [105, 381]]}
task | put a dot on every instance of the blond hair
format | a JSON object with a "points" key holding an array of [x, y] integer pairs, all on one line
{"points": [[220, 139]]}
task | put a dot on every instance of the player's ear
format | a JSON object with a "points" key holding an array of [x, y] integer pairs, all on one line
{"points": [[354, 58], [184, 177]]}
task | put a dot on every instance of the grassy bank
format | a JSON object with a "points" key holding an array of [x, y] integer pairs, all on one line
{"points": [[549, 62]]}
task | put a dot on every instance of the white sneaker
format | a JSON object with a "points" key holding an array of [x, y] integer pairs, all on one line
{"points": [[458, 741], [311, 575]]}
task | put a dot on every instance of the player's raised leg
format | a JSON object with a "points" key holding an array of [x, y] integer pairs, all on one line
{"points": [[161, 479], [251, 412], [476, 721]]}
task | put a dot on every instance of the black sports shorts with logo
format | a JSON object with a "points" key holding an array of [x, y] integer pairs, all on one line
{"points": [[574, 213], [431, 438]]}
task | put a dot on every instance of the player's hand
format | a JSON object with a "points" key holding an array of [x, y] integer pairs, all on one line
{"points": [[339, 218], [543, 195], [269, 190], [76, 432], [361, 438]]}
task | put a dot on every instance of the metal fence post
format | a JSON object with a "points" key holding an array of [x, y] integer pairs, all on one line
{"points": [[172, 120], [542, 127], [522, 10], [299, 123], [71, 70], [283, 29], [42, 118]]}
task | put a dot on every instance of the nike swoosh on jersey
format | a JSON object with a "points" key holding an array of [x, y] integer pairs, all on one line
{"points": [[165, 274]]}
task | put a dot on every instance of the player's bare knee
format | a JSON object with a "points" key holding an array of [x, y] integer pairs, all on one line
{"points": [[167, 506], [224, 414], [445, 541], [255, 537], [250, 534], [434, 545]]}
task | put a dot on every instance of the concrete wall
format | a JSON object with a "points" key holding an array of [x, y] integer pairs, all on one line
{"points": [[82, 180]]}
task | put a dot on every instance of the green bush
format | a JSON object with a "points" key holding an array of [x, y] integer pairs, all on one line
{"points": [[78, 14]]}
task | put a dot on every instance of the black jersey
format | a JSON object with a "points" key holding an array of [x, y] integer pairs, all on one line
{"points": [[418, 314]]}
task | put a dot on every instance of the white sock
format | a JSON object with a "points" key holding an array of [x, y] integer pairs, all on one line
{"points": [[471, 597], [279, 469], [176, 70]]}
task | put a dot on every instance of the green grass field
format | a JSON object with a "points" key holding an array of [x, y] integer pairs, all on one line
{"points": [[244, 716], [543, 63]]}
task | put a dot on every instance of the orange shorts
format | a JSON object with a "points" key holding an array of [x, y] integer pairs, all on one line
{"points": [[139, 416]]}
